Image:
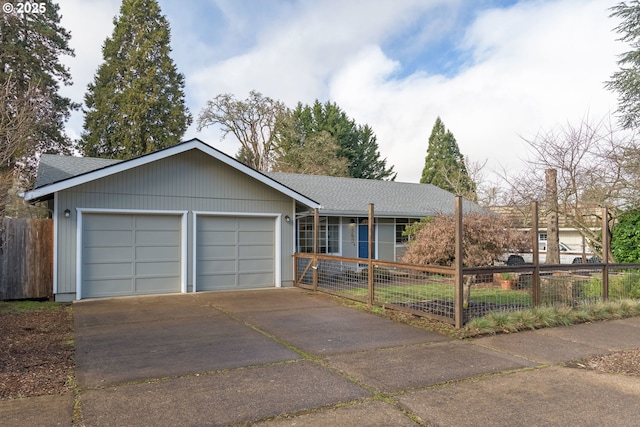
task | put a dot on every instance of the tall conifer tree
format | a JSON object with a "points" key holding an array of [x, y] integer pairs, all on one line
{"points": [[135, 105], [31, 45], [356, 143], [444, 165]]}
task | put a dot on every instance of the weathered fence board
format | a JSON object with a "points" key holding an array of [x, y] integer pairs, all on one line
{"points": [[26, 258]]}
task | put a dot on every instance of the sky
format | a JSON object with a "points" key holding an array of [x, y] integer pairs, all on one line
{"points": [[496, 72]]}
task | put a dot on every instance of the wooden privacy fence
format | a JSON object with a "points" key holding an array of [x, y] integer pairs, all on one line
{"points": [[26, 258]]}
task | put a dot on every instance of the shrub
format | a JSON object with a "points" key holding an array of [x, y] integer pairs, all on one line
{"points": [[625, 237], [485, 238]]}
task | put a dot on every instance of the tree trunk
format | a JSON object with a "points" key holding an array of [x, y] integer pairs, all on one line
{"points": [[553, 240]]}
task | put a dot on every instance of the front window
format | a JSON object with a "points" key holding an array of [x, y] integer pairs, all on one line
{"points": [[328, 235], [401, 224]]}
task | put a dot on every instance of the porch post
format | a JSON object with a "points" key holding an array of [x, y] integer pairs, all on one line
{"points": [[605, 254], [458, 278], [314, 261], [535, 276], [370, 248]]}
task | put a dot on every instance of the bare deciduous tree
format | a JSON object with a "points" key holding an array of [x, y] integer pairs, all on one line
{"points": [[596, 167], [19, 113], [252, 122]]}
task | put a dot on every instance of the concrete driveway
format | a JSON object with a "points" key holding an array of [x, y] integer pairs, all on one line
{"points": [[289, 357]]}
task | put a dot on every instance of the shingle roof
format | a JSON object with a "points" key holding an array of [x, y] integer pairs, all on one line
{"points": [[336, 195], [57, 173], [351, 196], [54, 168]]}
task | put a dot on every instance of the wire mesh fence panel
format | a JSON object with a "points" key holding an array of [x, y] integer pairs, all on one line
{"points": [[624, 282], [488, 292], [430, 290], [303, 271], [572, 287], [430, 293], [344, 277]]}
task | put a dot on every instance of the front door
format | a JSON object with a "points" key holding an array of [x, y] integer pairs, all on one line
{"points": [[363, 239]]}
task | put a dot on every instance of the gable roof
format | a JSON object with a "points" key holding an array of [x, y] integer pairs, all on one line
{"points": [[57, 173], [351, 196], [53, 167]]}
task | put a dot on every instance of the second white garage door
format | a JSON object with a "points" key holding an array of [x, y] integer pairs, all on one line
{"points": [[234, 252]]}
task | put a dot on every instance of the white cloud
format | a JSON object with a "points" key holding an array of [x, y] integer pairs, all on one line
{"points": [[532, 65], [90, 23]]}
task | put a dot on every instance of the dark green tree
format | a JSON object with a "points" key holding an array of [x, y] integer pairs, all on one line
{"points": [[626, 81], [315, 154], [135, 104], [444, 165], [625, 237], [355, 143], [31, 45]]}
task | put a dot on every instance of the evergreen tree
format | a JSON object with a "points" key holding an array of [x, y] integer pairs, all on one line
{"points": [[135, 105], [316, 154], [30, 48], [444, 165], [626, 82], [357, 144]]}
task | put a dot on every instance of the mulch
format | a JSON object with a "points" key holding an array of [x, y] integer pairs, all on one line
{"points": [[36, 352]]}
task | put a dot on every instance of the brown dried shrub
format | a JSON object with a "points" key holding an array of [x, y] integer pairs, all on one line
{"points": [[484, 238]]}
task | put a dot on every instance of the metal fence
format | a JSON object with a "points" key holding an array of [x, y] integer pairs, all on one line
{"points": [[430, 291]]}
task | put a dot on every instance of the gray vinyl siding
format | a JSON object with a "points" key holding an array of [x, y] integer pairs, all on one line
{"points": [[188, 181]]}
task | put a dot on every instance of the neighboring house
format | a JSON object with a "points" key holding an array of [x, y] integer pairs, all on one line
{"points": [[570, 236], [190, 218]]}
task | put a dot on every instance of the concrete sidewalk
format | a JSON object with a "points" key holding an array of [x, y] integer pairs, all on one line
{"points": [[285, 357]]}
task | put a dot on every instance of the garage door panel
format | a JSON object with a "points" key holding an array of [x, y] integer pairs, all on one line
{"points": [[255, 265], [107, 287], [109, 254], [157, 237], [227, 237], [255, 280], [256, 251], [256, 237], [255, 224], [221, 223], [156, 222], [156, 268], [143, 259], [216, 282], [218, 267], [105, 238], [109, 222], [235, 252], [213, 252], [164, 253], [154, 285], [107, 270]]}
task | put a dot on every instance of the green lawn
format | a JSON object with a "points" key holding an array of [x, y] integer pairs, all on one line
{"points": [[439, 291]]}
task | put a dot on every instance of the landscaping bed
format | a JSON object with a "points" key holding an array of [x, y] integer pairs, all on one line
{"points": [[36, 349], [446, 308]]}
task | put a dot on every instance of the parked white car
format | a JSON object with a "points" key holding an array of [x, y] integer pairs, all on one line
{"points": [[567, 255]]}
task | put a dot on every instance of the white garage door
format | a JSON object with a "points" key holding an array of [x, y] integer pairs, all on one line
{"points": [[234, 252], [127, 254]]}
